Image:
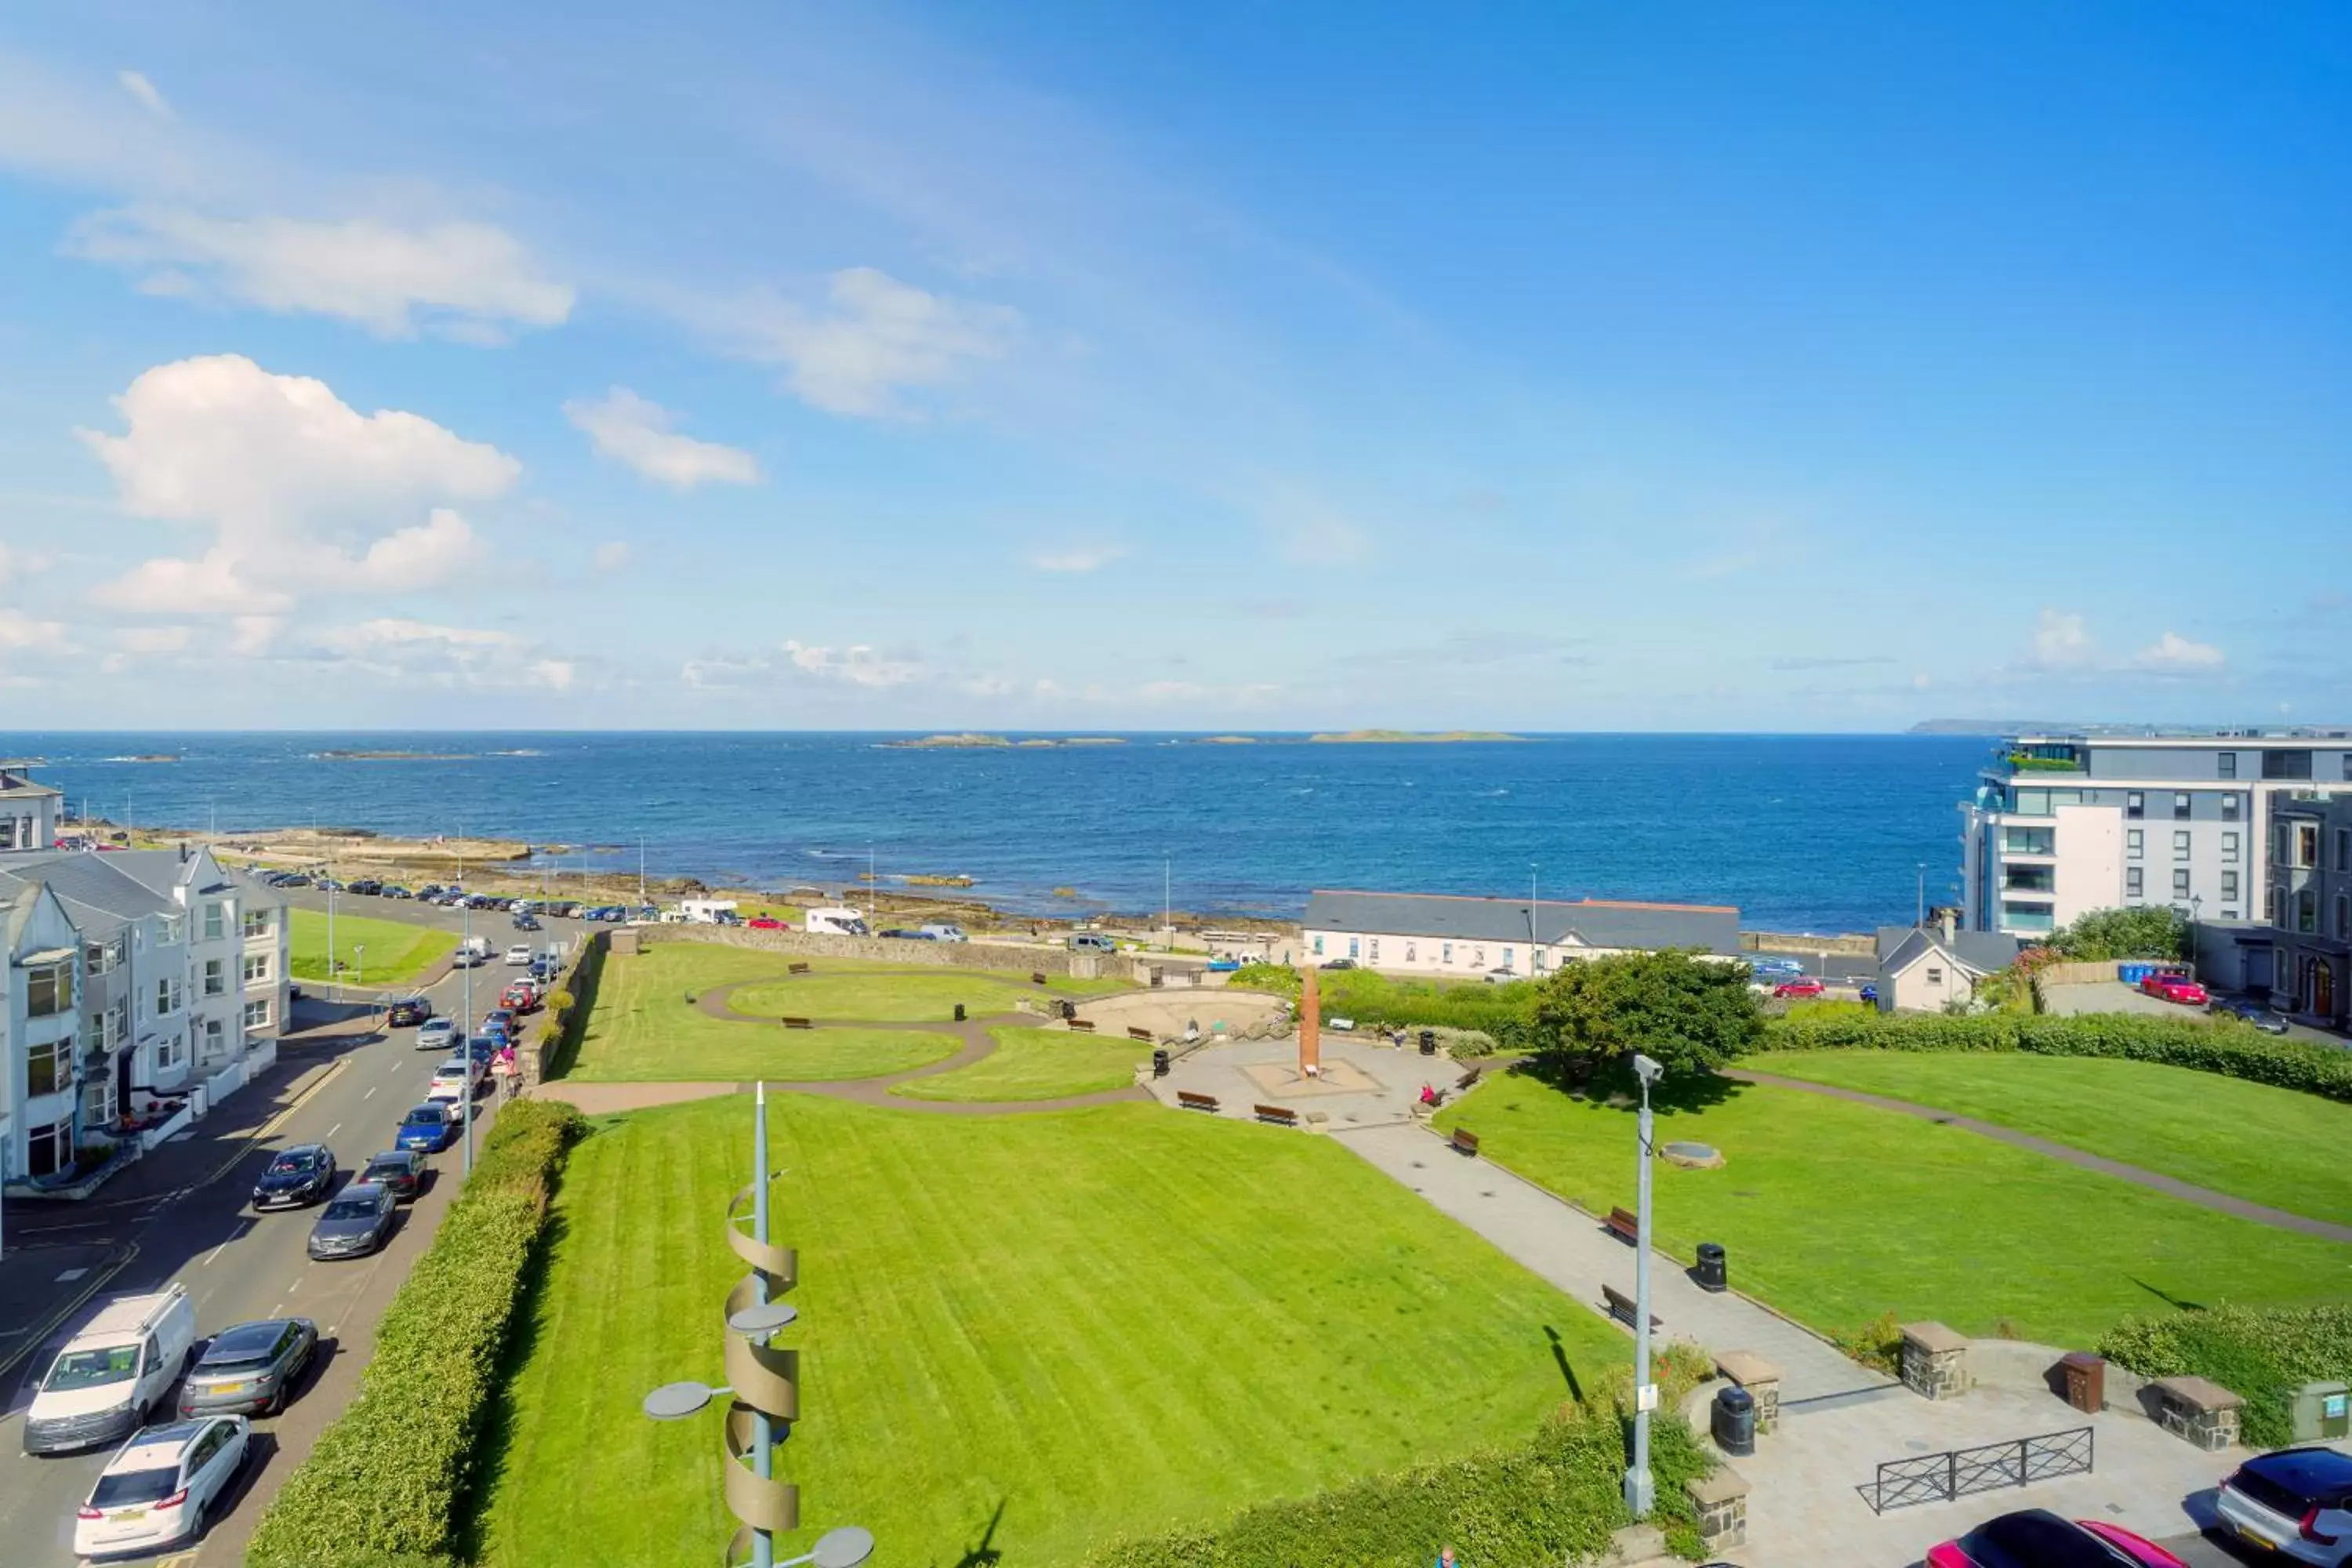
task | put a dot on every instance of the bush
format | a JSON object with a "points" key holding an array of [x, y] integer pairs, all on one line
{"points": [[2152, 931], [1689, 1012], [386, 1482], [1384, 1002], [2222, 1045], [2262, 1355]]}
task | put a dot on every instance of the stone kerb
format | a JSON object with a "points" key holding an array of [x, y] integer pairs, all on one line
{"points": [[2198, 1410], [868, 949], [1934, 1361], [1719, 1499]]}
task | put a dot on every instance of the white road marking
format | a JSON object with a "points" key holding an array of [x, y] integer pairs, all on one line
{"points": [[371, 1088], [215, 1252], [338, 1127]]}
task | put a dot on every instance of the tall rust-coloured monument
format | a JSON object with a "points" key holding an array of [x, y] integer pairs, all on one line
{"points": [[1310, 1027]]}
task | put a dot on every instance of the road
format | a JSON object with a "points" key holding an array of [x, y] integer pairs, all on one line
{"points": [[352, 1090]]}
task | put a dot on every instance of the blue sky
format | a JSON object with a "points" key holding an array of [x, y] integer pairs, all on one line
{"points": [[1058, 366]]}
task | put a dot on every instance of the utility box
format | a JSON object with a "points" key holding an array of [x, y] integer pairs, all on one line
{"points": [[2322, 1411], [2087, 1381]]}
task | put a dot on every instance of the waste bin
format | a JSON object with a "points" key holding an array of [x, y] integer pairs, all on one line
{"points": [[2087, 1381], [1160, 1064], [1711, 1272], [1069, 1011], [1733, 1421], [959, 1013], [1429, 1042]]}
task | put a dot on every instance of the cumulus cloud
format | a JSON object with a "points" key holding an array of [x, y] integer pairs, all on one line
{"points": [[400, 648], [461, 280], [611, 555], [301, 492], [2062, 645], [1077, 558], [250, 636], [152, 639], [872, 339], [20, 631], [636, 432], [145, 92], [2174, 652], [858, 665], [2061, 641]]}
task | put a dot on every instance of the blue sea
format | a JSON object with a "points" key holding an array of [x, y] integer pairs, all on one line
{"points": [[1802, 833]]}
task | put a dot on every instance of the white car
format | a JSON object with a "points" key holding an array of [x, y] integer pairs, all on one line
{"points": [[520, 956], [451, 1084], [437, 1035], [159, 1487]]}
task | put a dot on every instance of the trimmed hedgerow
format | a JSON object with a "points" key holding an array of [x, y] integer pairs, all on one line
{"points": [[2260, 1354], [2221, 1046], [383, 1484]]}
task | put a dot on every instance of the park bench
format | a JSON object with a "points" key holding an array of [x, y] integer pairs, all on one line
{"points": [[1036, 977], [1188, 1101], [796, 969], [1620, 1307], [1468, 1079], [1466, 1141], [1624, 1224], [1134, 1033], [1080, 1025], [798, 1024], [1276, 1115]]}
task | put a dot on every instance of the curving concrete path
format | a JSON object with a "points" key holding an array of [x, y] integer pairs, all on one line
{"points": [[599, 1099]]}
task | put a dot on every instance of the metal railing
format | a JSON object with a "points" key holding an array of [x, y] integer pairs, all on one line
{"points": [[1963, 1472]]}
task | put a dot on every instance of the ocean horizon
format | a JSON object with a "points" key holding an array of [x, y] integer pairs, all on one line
{"points": [[1819, 833]]}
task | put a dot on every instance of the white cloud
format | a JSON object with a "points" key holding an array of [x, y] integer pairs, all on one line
{"points": [[859, 665], [21, 631], [136, 84], [401, 651], [2176, 652], [637, 432], [2061, 641], [1077, 558], [611, 555], [461, 280], [250, 636], [16, 563], [152, 639], [302, 492], [391, 633], [555, 673], [874, 338]]}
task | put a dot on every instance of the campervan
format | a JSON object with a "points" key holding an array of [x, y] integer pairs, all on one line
{"points": [[708, 911], [110, 1375], [838, 921]]}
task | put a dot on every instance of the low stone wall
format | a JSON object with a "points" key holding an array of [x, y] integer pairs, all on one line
{"points": [[881, 949], [1934, 1361], [2025, 1367]]}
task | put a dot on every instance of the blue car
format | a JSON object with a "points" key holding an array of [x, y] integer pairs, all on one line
{"points": [[1224, 965], [428, 1127]]}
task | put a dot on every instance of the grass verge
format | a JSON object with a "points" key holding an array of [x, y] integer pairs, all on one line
{"points": [[396, 952], [1036, 1064]]}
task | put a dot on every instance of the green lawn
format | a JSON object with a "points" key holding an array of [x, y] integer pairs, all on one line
{"points": [[1836, 1212], [912, 994], [1036, 1064], [395, 952], [2275, 1146], [643, 1028], [1019, 1335]]}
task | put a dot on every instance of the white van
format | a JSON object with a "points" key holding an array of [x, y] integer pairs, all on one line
{"points": [[102, 1385], [946, 931], [473, 950], [838, 921]]}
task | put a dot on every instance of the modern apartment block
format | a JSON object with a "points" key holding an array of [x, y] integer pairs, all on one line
{"points": [[2311, 909], [2066, 823]]}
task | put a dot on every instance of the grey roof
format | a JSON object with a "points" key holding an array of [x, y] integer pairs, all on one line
{"points": [[163, 870], [1985, 952], [98, 895], [253, 893], [1594, 922]]}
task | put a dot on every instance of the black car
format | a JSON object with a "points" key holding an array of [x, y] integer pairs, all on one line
{"points": [[357, 1223], [2251, 1011], [1340, 964], [303, 1174], [408, 1012], [526, 922], [364, 885], [394, 890], [250, 1369], [401, 1172], [430, 891]]}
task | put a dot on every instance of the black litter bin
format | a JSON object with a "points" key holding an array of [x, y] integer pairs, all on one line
{"points": [[1160, 1064], [1069, 1011], [1711, 1274], [1429, 1042], [1733, 1422], [959, 1012]]}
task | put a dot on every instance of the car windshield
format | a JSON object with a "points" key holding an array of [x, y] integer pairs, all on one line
{"points": [[351, 1208], [92, 1369], [426, 1116], [290, 1164], [387, 1168], [129, 1489]]}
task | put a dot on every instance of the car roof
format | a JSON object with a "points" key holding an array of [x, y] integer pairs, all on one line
{"points": [[2306, 1471], [158, 1446], [431, 1110], [239, 1337], [394, 1157], [2035, 1538], [361, 1190]]}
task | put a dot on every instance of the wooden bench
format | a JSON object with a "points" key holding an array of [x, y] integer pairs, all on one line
{"points": [[1276, 1115], [796, 969], [1624, 1224], [1466, 1141], [1080, 1025], [1037, 977], [798, 1024], [1188, 1101], [1468, 1079], [1135, 1034], [1620, 1307]]}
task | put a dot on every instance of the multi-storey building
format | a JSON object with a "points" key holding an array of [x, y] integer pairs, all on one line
{"points": [[28, 811], [41, 1015], [2310, 908], [2066, 823]]}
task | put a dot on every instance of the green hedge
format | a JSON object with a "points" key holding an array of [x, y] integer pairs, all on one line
{"points": [[2221, 1046], [387, 1480], [1384, 1002], [2262, 1355]]}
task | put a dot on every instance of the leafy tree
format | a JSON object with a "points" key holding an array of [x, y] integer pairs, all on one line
{"points": [[1688, 1012], [2151, 931]]}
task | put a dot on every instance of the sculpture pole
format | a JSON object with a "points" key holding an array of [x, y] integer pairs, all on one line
{"points": [[1310, 1027]]}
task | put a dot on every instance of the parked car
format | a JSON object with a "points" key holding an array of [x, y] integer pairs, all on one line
{"points": [[1338, 963], [250, 1369], [430, 891], [1501, 976], [429, 1128], [1091, 941], [400, 1172], [1803, 985], [903, 934], [519, 954], [408, 1010], [2175, 988], [360, 1221], [2251, 1011], [564, 910], [945, 931], [303, 1174], [1224, 965], [2036, 1538], [542, 970], [765, 922], [2296, 1502], [367, 884], [394, 890], [156, 1491], [111, 1373], [436, 1033], [501, 1018], [527, 923], [522, 995]]}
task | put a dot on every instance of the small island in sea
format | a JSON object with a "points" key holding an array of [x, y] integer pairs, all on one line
{"points": [[1409, 737], [1228, 740], [971, 742], [390, 756]]}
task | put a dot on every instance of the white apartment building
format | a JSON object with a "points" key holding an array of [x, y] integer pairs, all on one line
{"points": [[1438, 933], [2066, 823], [42, 1015]]}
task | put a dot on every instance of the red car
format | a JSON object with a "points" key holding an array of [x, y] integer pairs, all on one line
{"points": [[1807, 987], [2037, 1537], [2176, 988], [765, 923], [522, 996]]}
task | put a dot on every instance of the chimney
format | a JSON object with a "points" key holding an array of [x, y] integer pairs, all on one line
{"points": [[1944, 919], [184, 851]]}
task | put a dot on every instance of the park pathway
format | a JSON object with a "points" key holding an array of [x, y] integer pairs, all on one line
{"points": [[1569, 1248], [2170, 1187]]}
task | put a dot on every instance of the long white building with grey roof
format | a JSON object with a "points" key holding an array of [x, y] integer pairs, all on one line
{"points": [[1441, 933]]}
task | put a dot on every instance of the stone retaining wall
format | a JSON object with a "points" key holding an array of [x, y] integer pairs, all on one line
{"points": [[883, 950]]}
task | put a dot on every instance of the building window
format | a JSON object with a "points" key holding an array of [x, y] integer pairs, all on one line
{"points": [[257, 1014], [175, 929], [1507, 958], [2287, 764], [2228, 764], [2347, 767], [49, 1067], [1410, 950], [2343, 916], [1376, 950], [48, 1150], [2278, 908], [1318, 947], [2229, 847], [216, 923], [2230, 885], [2131, 882], [95, 959], [256, 923], [167, 996], [2306, 912], [2134, 842], [1353, 943], [216, 978], [1478, 958], [2180, 808], [48, 990], [2135, 804], [256, 968], [1935, 975], [2343, 849], [2181, 843], [2229, 806], [170, 1052], [2180, 883], [214, 1048], [2307, 844]]}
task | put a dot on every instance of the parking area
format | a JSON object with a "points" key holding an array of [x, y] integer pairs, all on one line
{"points": [[2113, 996]]}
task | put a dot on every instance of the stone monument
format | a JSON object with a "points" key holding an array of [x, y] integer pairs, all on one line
{"points": [[1310, 1027]]}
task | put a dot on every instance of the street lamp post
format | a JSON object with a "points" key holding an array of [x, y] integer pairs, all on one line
{"points": [[1534, 947], [466, 1026], [1641, 1491], [359, 965], [333, 979], [1167, 900]]}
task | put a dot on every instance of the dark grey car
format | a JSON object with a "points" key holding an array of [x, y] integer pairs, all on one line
{"points": [[359, 1221], [250, 1369]]}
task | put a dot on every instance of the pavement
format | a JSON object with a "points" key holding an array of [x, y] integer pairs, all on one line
{"points": [[180, 1215], [1365, 1081]]}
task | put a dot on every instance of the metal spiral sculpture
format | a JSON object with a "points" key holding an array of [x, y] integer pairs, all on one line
{"points": [[765, 1379]]}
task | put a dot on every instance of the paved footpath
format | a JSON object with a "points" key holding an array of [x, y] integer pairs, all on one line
{"points": [[1570, 1248]]}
